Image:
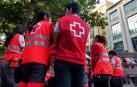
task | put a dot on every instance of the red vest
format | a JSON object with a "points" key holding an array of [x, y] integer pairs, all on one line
{"points": [[118, 71], [102, 65], [13, 49], [37, 44], [72, 39]]}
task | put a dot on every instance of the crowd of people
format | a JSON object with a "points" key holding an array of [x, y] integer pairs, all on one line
{"points": [[29, 54]]}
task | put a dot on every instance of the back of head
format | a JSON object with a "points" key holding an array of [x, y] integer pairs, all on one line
{"points": [[112, 52], [40, 15], [18, 30], [74, 7], [101, 39]]}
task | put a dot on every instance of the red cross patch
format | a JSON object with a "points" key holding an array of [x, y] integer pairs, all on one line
{"points": [[77, 29]]}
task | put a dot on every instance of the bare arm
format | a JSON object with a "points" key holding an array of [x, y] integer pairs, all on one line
{"points": [[56, 32], [113, 63]]}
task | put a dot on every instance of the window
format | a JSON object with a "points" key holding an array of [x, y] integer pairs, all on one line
{"points": [[116, 31], [119, 47], [132, 24], [130, 6], [114, 15], [134, 41]]}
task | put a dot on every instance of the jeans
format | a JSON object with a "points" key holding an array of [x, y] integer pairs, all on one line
{"points": [[33, 72], [7, 75], [69, 74]]}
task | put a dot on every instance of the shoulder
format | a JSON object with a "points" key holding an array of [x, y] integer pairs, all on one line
{"points": [[64, 18], [98, 44], [117, 58], [17, 36], [44, 23], [85, 23], [21, 36], [41, 24]]}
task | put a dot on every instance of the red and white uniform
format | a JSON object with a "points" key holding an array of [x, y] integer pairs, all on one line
{"points": [[118, 70], [100, 61], [74, 32], [37, 44], [13, 50]]}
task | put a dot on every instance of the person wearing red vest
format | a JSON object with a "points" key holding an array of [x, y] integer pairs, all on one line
{"points": [[14, 44], [36, 53], [118, 72], [70, 34], [100, 64]]}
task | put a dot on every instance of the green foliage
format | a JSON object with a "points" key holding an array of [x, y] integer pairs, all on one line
{"points": [[23, 11], [96, 19], [14, 12]]}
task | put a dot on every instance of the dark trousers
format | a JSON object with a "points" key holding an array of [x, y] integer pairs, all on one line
{"points": [[102, 81], [33, 72], [116, 82], [7, 75], [69, 74]]}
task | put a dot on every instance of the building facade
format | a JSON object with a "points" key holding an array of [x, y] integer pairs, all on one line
{"points": [[101, 8], [122, 28]]}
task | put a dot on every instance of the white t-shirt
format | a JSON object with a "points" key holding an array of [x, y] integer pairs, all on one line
{"points": [[21, 41], [113, 61]]}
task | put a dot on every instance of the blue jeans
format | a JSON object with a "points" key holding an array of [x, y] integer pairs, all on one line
{"points": [[7, 75], [85, 78], [69, 74]]}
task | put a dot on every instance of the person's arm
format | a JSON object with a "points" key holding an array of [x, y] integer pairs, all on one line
{"points": [[113, 63], [56, 32], [21, 41], [88, 37], [22, 44]]}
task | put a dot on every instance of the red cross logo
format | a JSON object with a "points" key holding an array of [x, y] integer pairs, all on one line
{"points": [[77, 29], [36, 27]]}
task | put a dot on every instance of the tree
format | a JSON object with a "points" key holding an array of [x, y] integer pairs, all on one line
{"points": [[14, 12], [96, 19], [23, 11]]}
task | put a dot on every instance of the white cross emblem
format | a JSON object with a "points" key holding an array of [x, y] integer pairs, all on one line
{"points": [[77, 29]]}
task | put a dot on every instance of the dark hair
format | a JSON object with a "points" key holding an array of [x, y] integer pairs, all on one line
{"points": [[112, 52], [101, 39], [74, 6], [40, 15], [18, 30]]}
